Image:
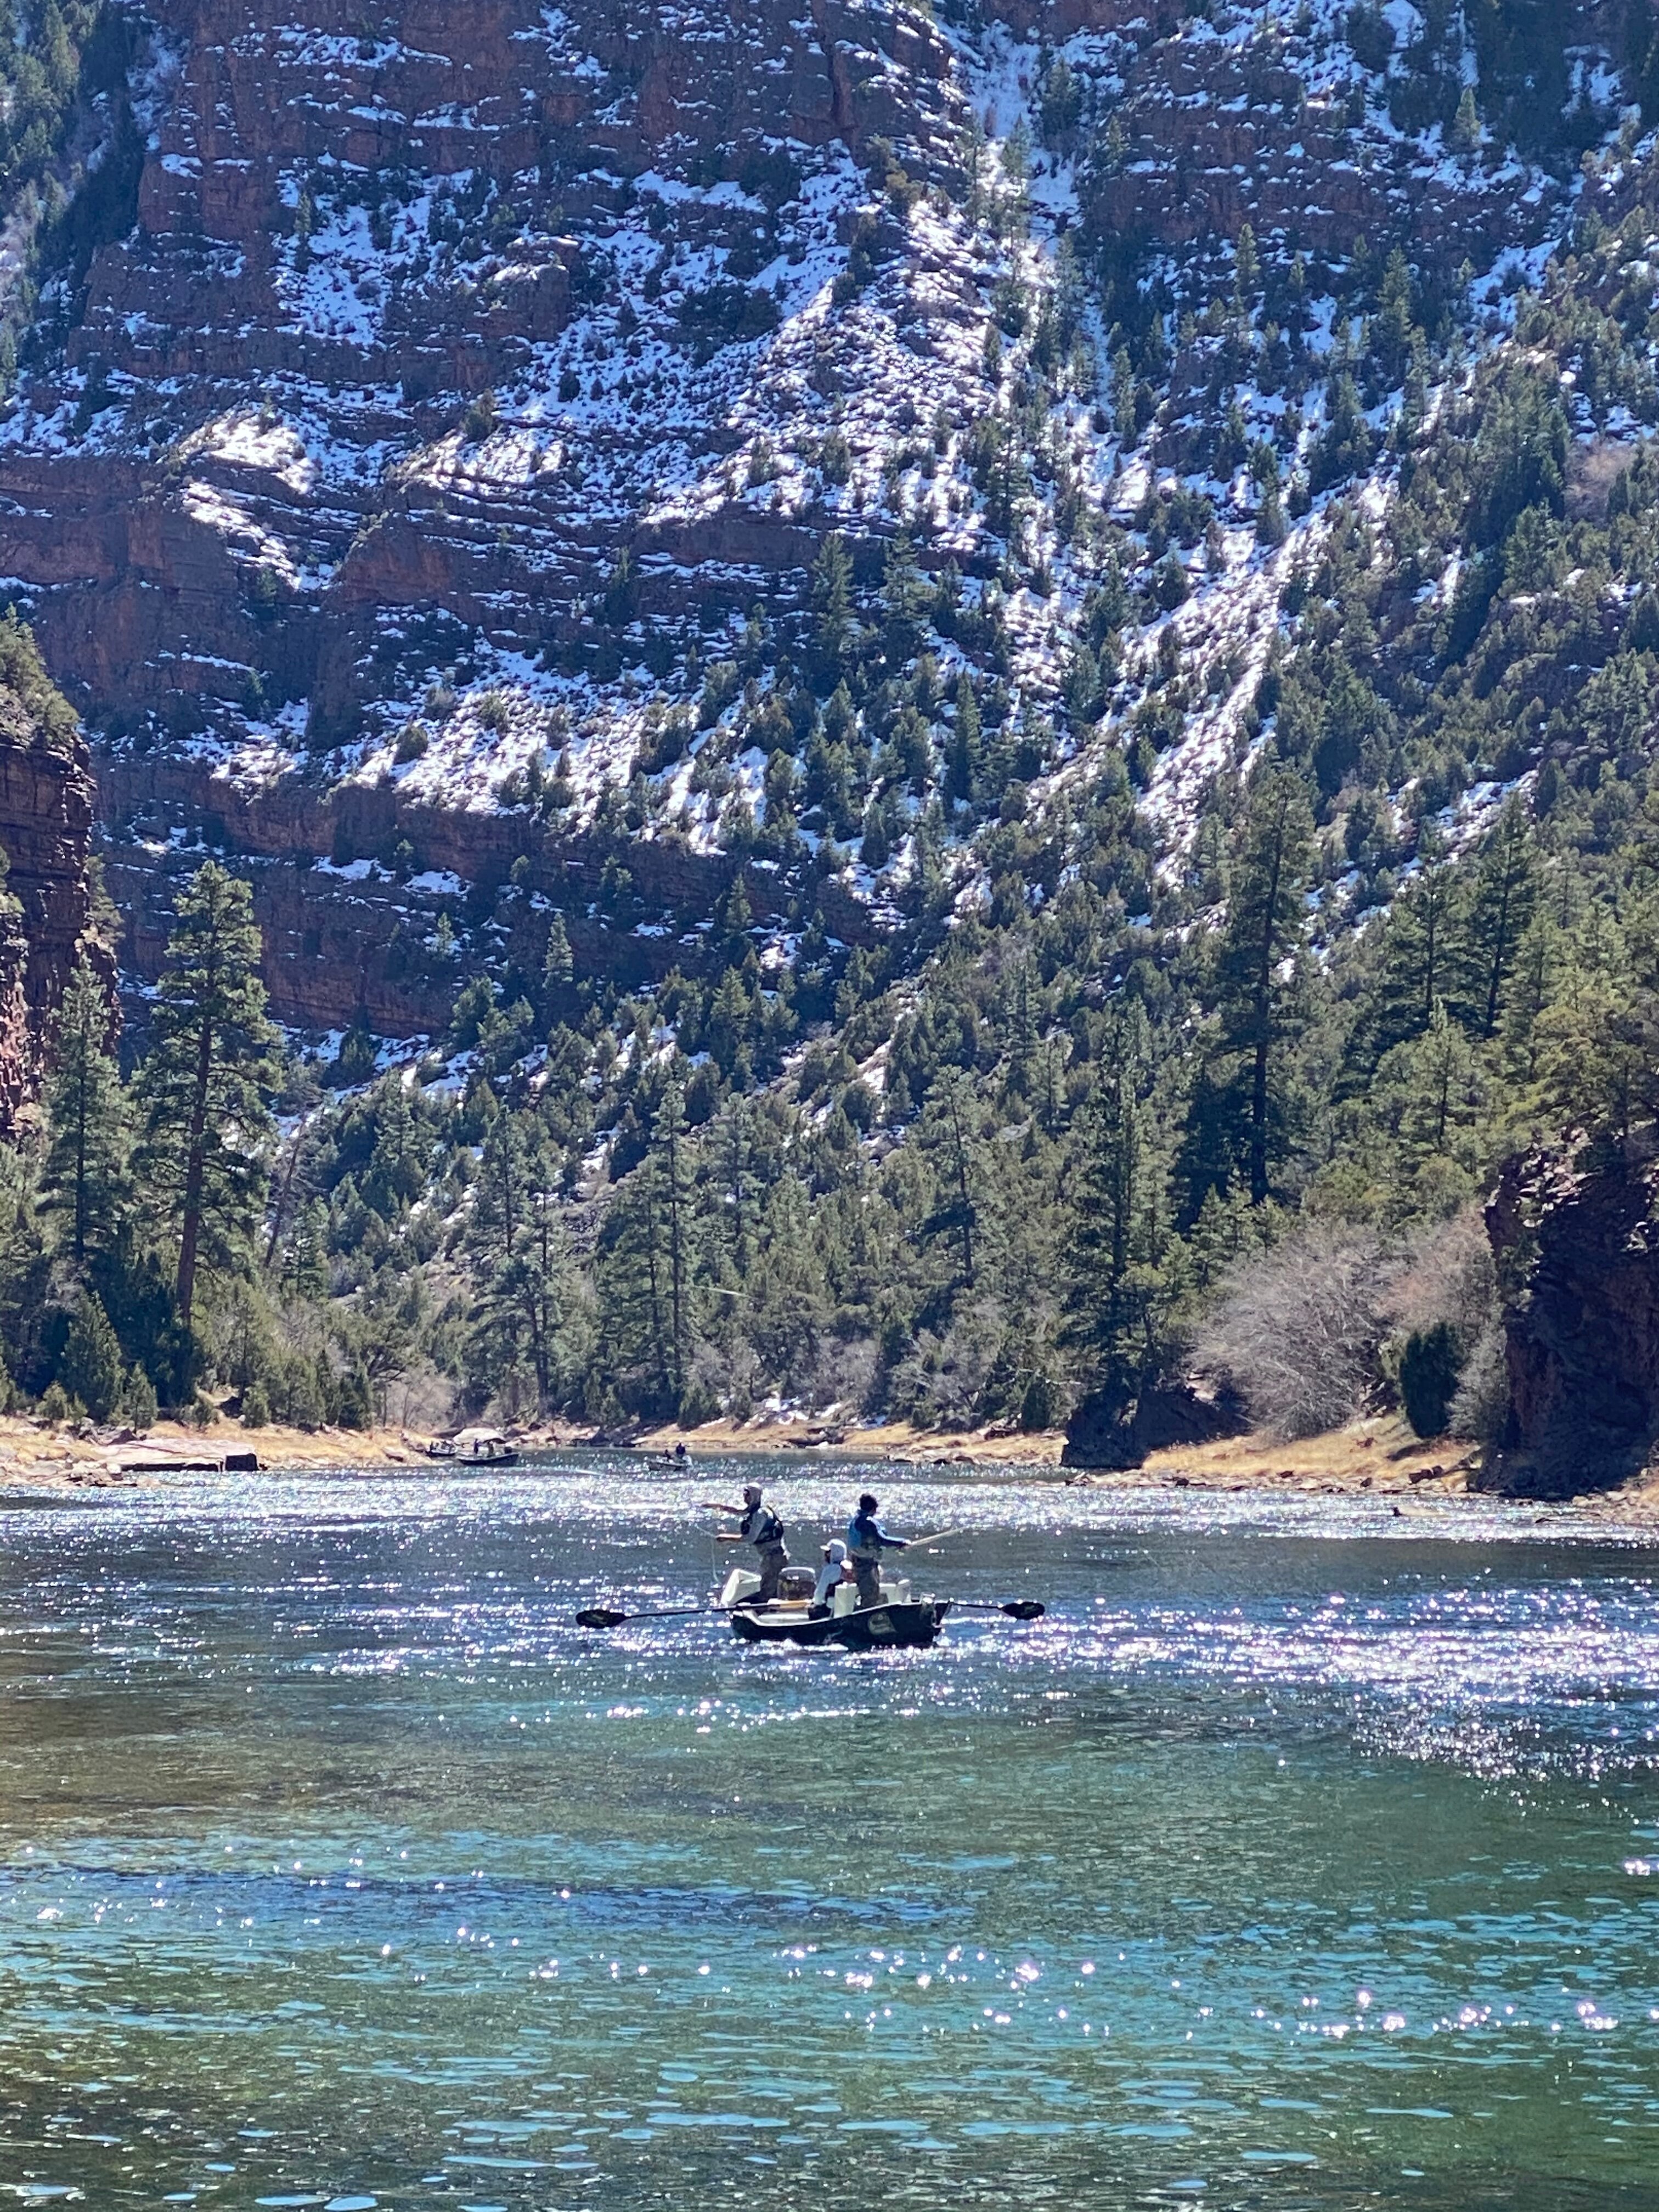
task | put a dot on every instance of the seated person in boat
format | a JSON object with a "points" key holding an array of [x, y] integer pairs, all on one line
{"points": [[760, 1526], [867, 1539], [831, 1575]]}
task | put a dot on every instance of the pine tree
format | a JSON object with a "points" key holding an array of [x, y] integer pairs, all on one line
{"points": [[501, 1212], [396, 1174], [832, 600], [632, 1273], [962, 769], [1421, 948], [1597, 1043], [1021, 1028], [90, 1368], [786, 1306], [558, 966], [1265, 923], [1538, 963], [1390, 335], [1505, 893], [1109, 1284], [647, 1273], [1441, 1099], [735, 1168], [540, 1278], [83, 1177], [205, 1123], [304, 1272], [950, 1136], [904, 602]]}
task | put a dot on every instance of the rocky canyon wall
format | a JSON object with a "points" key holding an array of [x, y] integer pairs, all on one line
{"points": [[1576, 1237], [453, 387]]}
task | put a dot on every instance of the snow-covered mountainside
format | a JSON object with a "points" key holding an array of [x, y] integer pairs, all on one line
{"points": [[426, 447], [924, 709]]}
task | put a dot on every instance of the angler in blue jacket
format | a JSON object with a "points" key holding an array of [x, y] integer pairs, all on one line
{"points": [[867, 1539]]}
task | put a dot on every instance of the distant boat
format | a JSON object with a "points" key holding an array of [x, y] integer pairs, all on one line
{"points": [[899, 1623], [474, 1448]]}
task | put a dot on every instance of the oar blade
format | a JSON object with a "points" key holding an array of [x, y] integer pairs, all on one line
{"points": [[1023, 1608], [600, 1616]]}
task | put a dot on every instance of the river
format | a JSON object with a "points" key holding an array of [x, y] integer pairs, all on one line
{"points": [[1306, 1855]]}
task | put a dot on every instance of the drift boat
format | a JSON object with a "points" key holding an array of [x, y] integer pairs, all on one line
{"points": [[901, 1622], [474, 1448]]}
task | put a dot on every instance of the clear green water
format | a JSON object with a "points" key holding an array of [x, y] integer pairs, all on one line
{"points": [[1303, 1856]]}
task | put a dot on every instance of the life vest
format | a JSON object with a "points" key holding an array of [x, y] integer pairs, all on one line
{"points": [[763, 1529]]}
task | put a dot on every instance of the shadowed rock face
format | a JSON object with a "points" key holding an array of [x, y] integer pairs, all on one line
{"points": [[1577, 1243], [45, 827], [1111, 1433]]}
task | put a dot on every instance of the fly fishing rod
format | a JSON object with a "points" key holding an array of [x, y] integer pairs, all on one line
{"points": [[1020, 1608]]}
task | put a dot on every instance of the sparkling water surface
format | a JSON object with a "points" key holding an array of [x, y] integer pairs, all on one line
{"points": [[1306, 1855]]}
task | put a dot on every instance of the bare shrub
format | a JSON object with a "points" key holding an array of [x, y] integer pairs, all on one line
{"points": [[1297, 1330], [1446, 1275], [844, 1377], [1480, 1404], [726, 1377], [419, 1398], [1445, 1293], [939, 1380]]}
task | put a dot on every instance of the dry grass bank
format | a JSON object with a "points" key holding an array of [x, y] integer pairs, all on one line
{"points": [[1380, 1455], [33, 1454]]}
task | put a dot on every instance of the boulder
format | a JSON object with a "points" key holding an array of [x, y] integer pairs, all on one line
{"points": [[1111, 1430]]}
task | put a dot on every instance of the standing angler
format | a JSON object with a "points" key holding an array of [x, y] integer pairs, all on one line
{"points": [[867, 1539], [760, 1526]]}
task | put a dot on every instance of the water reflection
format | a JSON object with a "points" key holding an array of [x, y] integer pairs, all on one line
{"points": [[1299, 1857]]}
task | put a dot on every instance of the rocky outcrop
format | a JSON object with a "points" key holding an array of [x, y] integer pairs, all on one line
{"points": [[1216, 132], [45, 900], [350, 883], [1575, 1239], [1110, 1431]]}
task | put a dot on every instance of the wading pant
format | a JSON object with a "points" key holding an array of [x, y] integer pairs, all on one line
{"points": [[773, 1561], [869, 1576]]}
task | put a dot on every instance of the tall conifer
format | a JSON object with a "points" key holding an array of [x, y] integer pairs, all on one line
{"points": [[205, 1122]]}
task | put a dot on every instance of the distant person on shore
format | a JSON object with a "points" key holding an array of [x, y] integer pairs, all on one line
{"points": [[867, 1539], [757, 1524]]}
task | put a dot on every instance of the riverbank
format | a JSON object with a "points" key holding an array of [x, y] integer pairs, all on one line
{"points": [[1380, 1456], [897, 1441], [35, 1455], [32, 1453]]}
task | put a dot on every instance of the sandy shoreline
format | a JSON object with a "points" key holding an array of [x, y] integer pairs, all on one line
{"points": [[1379, 1457]]}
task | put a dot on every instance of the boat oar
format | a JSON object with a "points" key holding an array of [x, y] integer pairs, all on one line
{"points": [[1019, 1608], [605, 1616]]}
